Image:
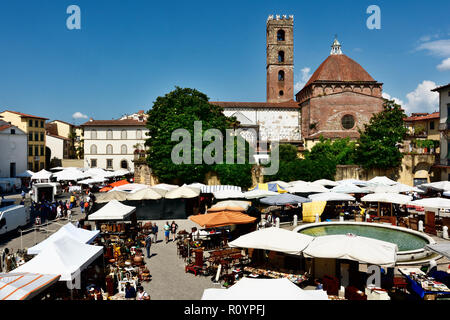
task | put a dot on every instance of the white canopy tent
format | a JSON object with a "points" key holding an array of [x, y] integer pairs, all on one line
{"points": [[183, 192], [94, 180], [144, 194], [331, 196], [130, 187], [121, 172], [228, 194], [68, 230], [382, 180], [232, 203], [65, 256], [113, 210], [438, 186], [434, 203], [264, 289], [387, 198], [293, 183], [274, 239], [258, 193], [352, 247], [42, 175], [70, 175], [112, 195], [25, 174], [353, 181], [326, 182], [307, 188], [165, 186], [24, 286], [348, 188]]}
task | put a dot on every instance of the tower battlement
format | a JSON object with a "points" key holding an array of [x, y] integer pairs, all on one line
{"points": [[278, 17]]}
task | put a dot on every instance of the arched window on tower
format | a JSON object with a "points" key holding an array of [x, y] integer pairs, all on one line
{"points": [[280, 35], [123, 149], [93, 149], [109, 149], [281, 75], [281, 56]]}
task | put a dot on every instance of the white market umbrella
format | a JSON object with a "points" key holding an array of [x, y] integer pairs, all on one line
{"points": [[92, 180], [307, 188], [42, 175], [274, 239], [113, 210], [232, 204], [130, 187], [228, 194], [70, 175], [435, 203], [352, 247], [382, 180], [326, 182], [112, 195], [353, 181], [387, 198], [348, 188], [121, 172], [66, 257], [438, 186], [283, 199], [144, 194], [183, 192], [331, 196], [166, 187], [293, 183], [264, 289], [256, 194]]}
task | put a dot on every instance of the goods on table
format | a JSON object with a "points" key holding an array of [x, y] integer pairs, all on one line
{"points": [[294, 278], [429, 283]]}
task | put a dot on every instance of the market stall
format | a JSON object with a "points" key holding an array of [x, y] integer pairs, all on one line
{"points": [[24, 286], [424, 286]]}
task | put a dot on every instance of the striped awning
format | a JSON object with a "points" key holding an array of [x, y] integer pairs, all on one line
{"points": [[211, 189], [24, 286]]}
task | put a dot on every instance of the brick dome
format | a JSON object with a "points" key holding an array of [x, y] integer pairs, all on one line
{"points": [[340, 68]]}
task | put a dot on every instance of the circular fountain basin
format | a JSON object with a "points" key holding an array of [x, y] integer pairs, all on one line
{"points": [[410, 243]]}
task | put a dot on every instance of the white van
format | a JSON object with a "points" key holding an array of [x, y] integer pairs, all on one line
{"points": [[48, 191], [13, 218]]}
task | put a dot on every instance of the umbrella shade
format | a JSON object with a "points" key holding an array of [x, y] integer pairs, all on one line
{"points": [[257, 194], [348, 188], [121, 172], [387, 197], [221, 219], [92, 180], [264, 289], [183, 192], [440, 248], [382, 180], [112, 195], [351, 247], [166, 187], [24, 286], [353, 181], [435, 203], [269, 187], [232, 203], [144, 194], [307, 188], [438, 186], [70, 175], [326, 182], [41, 175], [131, 187], [274, 239], [228, 194], [283, 199], [113, 210], [331, 196]]}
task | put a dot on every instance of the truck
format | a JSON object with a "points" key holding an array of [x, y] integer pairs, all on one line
{"points": [[13, 218], [46, 191]]}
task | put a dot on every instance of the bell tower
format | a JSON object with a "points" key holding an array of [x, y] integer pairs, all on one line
{"points": [[280, 58]]}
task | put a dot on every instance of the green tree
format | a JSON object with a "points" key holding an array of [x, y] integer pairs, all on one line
{"points": [[377, 146], [179, 109]]}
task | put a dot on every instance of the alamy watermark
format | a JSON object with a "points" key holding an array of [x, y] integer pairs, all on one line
{"points": [[219, 146], [73, 22], [374, 20]]}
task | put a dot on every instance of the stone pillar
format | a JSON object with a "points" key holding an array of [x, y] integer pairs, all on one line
{"points": [[277, 222], [295, 220], [445, 232], [421, 226]]}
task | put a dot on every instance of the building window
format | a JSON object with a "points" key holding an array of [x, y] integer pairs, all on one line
{"points": [[30, 136], [42, 166], [123, 135], [281, 56], [348, 121], [36, 123], [123, 149], [109, 149], [124, 164], [109, 134], [30, 165], [93, 149], [109, 163], [13, 131], [93, 163], [36, 136], [30, 153], [36, 150], [432, 125], [42, 137], [42, 150], [30, 123], [42, 124], [281, 75], [94, 134], [139, 134], [280, 35], [281, 93]]}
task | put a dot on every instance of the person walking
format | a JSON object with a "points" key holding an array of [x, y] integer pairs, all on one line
{"points": [[155, 232], [173, 229], [167, 231], [148, 244]]}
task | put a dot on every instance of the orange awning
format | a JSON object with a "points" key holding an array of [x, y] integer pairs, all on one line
{"points": [[114, 184], [221, 219]]}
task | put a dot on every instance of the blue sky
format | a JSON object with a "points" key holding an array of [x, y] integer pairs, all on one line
{"points": [[129, 52]]}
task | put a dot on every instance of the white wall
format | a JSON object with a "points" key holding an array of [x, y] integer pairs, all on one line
{"points": [[116, 142], [13, 149], [444, 100], [56, 146]]}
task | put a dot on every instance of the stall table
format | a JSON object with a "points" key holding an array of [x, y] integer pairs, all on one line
{"points": [[426, 287]]}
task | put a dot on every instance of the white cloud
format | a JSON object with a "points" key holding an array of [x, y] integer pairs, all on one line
{"points": [[304, 79], [445, 65], [397, 100], [439, 48], [422, 99], [79, 115]]}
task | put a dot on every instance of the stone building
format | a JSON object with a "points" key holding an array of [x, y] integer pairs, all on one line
{"points": [[444, 128], [339, 98], [13, 146]]}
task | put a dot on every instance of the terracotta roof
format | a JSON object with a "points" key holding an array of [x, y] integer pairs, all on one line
{"points": [[25, 115], [124, 122], [56, 136], [4, 127], [333, 134], [340, 68], [434, 115], [226, 104], [441, 87]]}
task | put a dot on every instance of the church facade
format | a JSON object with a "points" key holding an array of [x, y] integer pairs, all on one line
{"points": [[339, 98]]}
